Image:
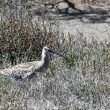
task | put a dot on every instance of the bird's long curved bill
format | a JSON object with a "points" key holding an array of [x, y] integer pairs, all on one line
{"points": [[54, 52]]}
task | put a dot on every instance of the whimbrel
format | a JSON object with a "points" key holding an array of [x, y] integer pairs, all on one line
{"points": [[28, 70]]}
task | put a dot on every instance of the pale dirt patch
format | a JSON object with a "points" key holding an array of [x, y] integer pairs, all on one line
{"points": [[98, 31], [94, 23]]}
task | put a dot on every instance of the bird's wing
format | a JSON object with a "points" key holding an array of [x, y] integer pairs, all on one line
{"points": [[21, 70]]}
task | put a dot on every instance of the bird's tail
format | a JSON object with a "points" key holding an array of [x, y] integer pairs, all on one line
{"points": [[10, 77], [13, 79]]}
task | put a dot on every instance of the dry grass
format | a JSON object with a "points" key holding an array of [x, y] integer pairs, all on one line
{"points": [[21, 40], [81, 83]]}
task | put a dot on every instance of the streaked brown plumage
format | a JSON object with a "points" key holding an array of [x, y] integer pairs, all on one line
{"points": [[29, 70]]}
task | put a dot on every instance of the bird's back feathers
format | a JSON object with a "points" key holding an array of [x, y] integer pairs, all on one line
{"points": [[23, 70]]}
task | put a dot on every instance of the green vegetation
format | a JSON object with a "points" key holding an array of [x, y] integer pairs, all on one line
{"points": [[79, 83], [21, 42]]}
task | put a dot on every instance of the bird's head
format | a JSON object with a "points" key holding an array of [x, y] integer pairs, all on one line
{"points": [[46, 50]]}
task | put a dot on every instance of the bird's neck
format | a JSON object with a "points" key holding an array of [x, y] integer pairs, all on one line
{"points": [[45, 58]]}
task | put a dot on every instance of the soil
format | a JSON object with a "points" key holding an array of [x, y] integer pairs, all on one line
{"points": [[93, 23]]}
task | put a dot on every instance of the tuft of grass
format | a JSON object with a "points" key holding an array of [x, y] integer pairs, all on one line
{"points": [[24, 40], [79, 83]]}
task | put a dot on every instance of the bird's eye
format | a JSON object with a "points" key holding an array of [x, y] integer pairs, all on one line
{"points": [[51, 51], [46, 49]]}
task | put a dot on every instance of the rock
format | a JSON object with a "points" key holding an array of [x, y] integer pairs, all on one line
{"points": [[75, 1], [66, 6], [62, 5]]}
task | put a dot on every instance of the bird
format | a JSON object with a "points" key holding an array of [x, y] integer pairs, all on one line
{"points": [[28, 70]]}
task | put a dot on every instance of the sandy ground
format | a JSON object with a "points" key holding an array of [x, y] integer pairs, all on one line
{"points": [[94, 24], [99, 31]]}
